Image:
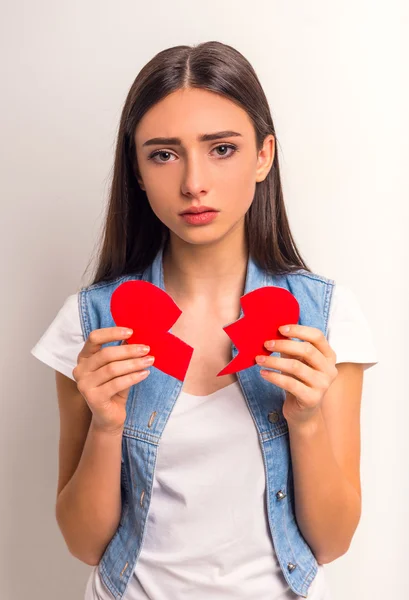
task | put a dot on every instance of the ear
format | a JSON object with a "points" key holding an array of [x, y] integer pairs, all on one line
{"points": [[265, 158]]}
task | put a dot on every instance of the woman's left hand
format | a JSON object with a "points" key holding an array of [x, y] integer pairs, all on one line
{"points": [[310, 374]]}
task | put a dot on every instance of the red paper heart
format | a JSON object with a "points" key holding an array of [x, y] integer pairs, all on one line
{"points": [[265, 310], [151, 312]]}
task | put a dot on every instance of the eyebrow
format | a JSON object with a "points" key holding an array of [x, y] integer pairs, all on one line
{"points": [[206, 137]]}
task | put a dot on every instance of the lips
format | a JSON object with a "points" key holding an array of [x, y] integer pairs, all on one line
{"points": [[201, 218], [198, 210], [197, 213]]}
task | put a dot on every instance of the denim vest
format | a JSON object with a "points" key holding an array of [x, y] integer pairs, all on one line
{"points": [[149, 407]]}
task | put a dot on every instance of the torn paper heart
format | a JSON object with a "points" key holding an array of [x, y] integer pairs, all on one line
{"points": [[151, 312], [265, 310]]}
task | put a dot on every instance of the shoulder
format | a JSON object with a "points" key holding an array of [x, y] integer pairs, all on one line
{"points": [[308, 286], [349, 330], [68, 312], [106, 286], [61, 342], [345, 301], [313, 291], [70, 306], [305, 275]]}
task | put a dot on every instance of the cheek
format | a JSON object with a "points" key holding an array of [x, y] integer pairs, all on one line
{"points": [[242, 179], [159, 193], [239, 191], [161, 209]]}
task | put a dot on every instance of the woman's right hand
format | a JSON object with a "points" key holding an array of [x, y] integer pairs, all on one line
{"points": [[104, 376]]}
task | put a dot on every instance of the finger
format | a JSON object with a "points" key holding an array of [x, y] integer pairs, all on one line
{"points": [[303, 350], [300, 358], [120, 384], [98, 337], [112, 354], [310, 334], [305, 395], [293, 367], [114, 370]]}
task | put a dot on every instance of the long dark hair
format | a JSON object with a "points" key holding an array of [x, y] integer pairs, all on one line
{"points": [[132, 233]]}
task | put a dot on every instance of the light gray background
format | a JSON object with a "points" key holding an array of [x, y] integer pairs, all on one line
{"points": [[336, 80]]}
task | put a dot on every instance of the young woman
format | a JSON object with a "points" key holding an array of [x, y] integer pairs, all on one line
{"points": [[238, 486]]}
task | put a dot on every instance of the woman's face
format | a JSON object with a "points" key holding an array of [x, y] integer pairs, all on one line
{"points": [[220, 173]]}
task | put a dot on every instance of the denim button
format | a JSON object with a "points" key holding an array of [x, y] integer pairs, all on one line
{"points": [[273, 417], [291, 566], [280, 495]]}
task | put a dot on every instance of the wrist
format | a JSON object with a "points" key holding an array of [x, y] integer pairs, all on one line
{"points": [[112, 430], [308, 425]]}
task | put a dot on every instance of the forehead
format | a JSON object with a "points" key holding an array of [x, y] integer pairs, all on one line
{"points": [[190, 112]]}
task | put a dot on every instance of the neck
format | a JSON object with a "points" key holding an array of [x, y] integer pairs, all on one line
{"points": [[205, 272]]}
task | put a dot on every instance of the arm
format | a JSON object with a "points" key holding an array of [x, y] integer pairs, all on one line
{"points": [[88, 503], [325, 452], [322, 409]]}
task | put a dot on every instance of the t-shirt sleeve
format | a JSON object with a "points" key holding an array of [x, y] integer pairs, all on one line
{"points": [[349, 332], [61, 343]]}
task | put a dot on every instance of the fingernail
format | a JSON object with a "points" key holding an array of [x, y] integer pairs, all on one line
{"points": [[127, 331], [270, 343], [260, 359], [148, 360]]}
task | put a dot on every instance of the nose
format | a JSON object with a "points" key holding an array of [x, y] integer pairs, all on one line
{"points": [[195, 178]]}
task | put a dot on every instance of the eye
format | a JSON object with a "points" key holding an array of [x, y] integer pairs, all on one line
{"points": [[167, 152], [229, 146], [158, 153]]}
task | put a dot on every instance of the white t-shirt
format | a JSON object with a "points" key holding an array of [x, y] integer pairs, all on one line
{"points": [[203, 539]]}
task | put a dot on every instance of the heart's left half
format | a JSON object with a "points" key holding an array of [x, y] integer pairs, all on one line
{"points": [[151, 312]]}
